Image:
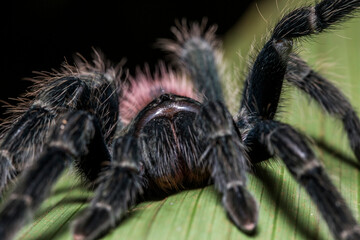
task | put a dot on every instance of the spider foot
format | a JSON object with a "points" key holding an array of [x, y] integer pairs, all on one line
{"points": [[93, 223], [241, 208]]}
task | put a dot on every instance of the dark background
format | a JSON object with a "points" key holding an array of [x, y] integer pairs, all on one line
{"points": [[39, 35]]}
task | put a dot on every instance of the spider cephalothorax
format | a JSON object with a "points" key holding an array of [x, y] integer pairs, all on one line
{"points": [[171, 130]]}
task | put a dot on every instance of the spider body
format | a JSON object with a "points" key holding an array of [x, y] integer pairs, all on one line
{"points": [[166, 125], [155, 135]]}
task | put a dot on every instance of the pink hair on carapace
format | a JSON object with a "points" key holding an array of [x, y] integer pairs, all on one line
{"points": [[143, 88]]}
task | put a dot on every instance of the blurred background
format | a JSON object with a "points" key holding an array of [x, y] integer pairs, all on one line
{"points": [[40, 34]]}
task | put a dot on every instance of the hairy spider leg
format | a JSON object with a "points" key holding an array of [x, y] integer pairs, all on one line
{"points": [[27, 135], [56, 93], [223, 154], [331, 99], [263, 88], [264, 83], [89, 88], [258, 108], [225, 157], [21, 144], [119, 188], [196, 48], [283, 141], [262, 92], [71, 140]]}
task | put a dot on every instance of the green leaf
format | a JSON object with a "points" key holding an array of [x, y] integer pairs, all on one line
{"points": [[286, 211]]}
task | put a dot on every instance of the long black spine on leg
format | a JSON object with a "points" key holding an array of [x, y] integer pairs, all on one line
{"points": [[69, 141], [283, 141], [117, 192], [327, 95], [226, 159]]}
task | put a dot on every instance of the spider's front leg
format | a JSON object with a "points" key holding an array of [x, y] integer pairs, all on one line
{"points": [[119, 188], [225, 158], [76, 136], [224, 155]]}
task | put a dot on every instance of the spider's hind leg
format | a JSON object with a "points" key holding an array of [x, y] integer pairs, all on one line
{"points": [[282, 140], [70, 140], [328, 97], [263, 86], [264, 83]]}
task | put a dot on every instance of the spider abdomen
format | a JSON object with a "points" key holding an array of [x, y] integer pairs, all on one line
{"points": [[169, 147]]}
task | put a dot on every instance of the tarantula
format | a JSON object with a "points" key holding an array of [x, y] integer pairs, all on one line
{"points": [[168, 133]]}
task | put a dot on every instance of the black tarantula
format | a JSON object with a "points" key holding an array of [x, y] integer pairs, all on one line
{"points": [[168, 133]]}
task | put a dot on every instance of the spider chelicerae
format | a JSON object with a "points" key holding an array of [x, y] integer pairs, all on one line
{"points": [[151, 135]]}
